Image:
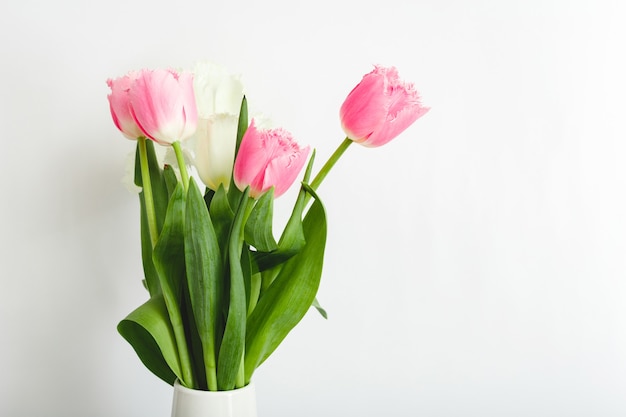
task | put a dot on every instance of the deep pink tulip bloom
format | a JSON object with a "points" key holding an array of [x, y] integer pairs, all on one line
{"points": [[119, 103], [380, 107], [268, 158], [163, 105]]}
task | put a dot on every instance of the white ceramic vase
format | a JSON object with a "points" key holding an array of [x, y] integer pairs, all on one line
{"points": [[196, 403]]}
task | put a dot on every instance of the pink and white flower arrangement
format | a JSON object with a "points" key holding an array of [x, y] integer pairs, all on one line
{"points": [[223, 292]]}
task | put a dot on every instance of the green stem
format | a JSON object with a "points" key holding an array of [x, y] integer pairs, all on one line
{"points": [[183, 351], [147, 191], [181, 164], [240, 382], [329, 165], [211, 371]]}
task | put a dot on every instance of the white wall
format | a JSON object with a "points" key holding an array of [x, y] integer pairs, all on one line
{"points": [[475, 265]]}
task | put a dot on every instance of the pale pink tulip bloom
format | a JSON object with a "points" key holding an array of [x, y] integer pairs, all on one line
{"points": [[380, 107], [119, 103], [163, 105], [268, 158]]}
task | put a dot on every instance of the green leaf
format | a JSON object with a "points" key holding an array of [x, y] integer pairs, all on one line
{"points": [[232, 348], [243, 122], [288, 298], [291, 242], [319, 308], [168, 255], [258, 230], [169, 261], [149, 332], [222, 216], [171, 181], [204, 274], [234, 193], [292, 239]]}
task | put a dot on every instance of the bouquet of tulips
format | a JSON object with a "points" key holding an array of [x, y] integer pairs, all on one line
{"points": [[223, 293]]}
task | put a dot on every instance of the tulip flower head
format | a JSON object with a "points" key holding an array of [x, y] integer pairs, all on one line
{"points": [[119, 104], [215, 143], [380, 107], [268, 158], [218, 98], [163, 105]]}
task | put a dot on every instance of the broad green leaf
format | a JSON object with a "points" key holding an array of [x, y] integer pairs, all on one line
{"points": [[204, 275], [232, 348], [291, 294], [149, 332], [258, 230], [169, 261]]}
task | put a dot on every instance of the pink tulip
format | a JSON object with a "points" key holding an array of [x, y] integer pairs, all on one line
{"points": [[163, 105], [119, 103], [380, 107], [268, 158]]}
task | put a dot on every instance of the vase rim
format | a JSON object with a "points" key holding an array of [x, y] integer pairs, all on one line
{"points": [[181, 387]]}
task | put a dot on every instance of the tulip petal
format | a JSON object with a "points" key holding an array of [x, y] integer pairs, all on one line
{"points": [[251, 158], [215, 149], [282, 171], [119, 104], [364, 109], [392, 128]]}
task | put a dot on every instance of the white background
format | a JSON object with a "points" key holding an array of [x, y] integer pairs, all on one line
{"points": [[475, 265]]}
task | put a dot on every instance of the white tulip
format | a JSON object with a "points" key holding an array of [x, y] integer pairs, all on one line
{"points": [[218, 98], [215, 149]]}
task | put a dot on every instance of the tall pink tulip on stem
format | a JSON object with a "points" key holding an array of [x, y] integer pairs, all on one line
{"points": [[377, 110], [119, 104], [380, 107], [121, 111], [268, 158], [163, 105]]}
